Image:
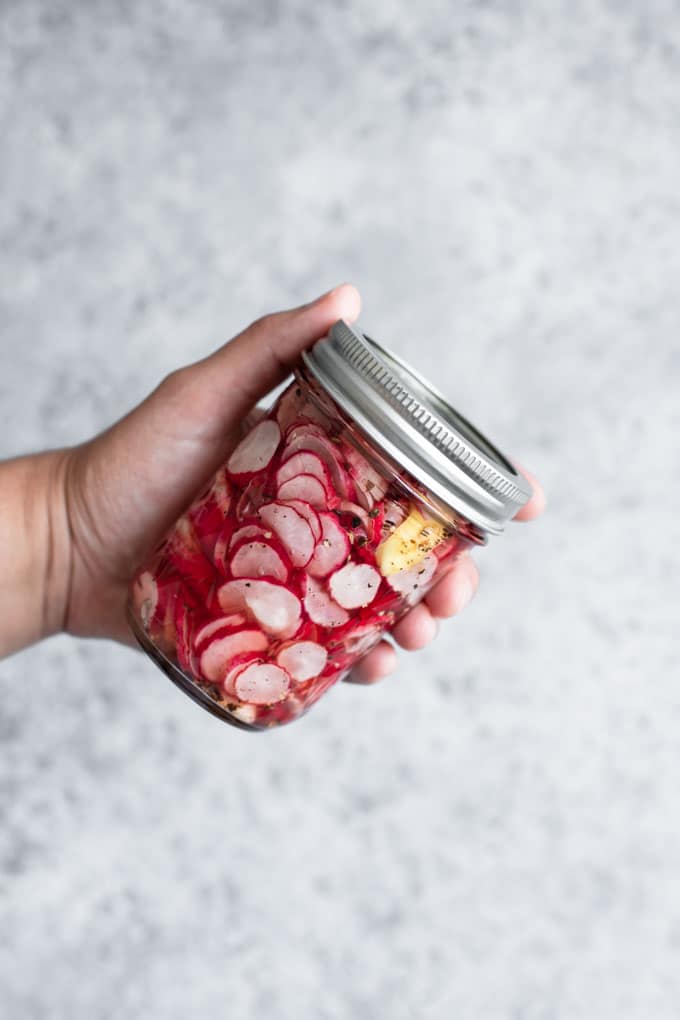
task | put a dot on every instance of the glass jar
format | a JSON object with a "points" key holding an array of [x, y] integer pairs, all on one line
{"points": [[335, 514]]}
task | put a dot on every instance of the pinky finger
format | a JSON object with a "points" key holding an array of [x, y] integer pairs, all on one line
{"points": [[375, 665]]}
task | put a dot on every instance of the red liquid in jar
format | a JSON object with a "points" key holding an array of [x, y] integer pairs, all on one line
{"points": [[289, 567]]}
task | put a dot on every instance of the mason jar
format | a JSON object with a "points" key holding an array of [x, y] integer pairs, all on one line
{"points": [[336, 513]]}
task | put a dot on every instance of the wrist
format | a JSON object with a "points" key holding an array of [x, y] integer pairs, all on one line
{"points": [[34, 549]]}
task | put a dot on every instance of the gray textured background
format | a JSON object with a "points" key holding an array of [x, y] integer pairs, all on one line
{"points": [[495, 833]]}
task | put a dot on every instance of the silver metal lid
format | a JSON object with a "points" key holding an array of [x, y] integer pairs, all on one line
{"points": [[417, 428]]}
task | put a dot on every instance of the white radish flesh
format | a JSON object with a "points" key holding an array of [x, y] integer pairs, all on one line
{"points": [[303, 660], [326, 451], [258, 559], [262, 683], [237, 666], [309, 514], [256, 449], [221, 623], [370, 484], [145, 597], [303, 464], [333, 549], [321, 608], [306, 487], [411, 582], [219, 653], [292, 529], [248, 531], [276, 609], [355, 585], [221, 490]]}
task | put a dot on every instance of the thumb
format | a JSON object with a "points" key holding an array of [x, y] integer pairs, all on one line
{"points": [[239, 374]]}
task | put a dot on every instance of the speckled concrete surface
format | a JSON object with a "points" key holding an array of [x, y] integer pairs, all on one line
{"points": [[495, 833]]}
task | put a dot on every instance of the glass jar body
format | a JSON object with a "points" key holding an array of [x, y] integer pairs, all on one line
{"points": [[305, 548]]}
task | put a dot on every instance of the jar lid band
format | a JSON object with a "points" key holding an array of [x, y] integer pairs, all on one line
{"points": [[417, 428]]}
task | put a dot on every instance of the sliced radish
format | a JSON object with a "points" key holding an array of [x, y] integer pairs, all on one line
{"points": [[307, 488], [236, 666], [255, 450], [187, 557], [246, 713], [257, 558], [346, 506], [262, 683], [303, 660], [296, 432], [221, 490], [333, 549], [355, 585], [370, 484], [309, 514], [326, 451], [395, 513], [208, 520], [292, 529], [183, 634], [412, 581], [361, 639], [208, 630], [289, 406], [303, 464], [321, 608], [219, 653], [248, 531], [275, 608], [252, 497], [220, 555], [145, 597]]}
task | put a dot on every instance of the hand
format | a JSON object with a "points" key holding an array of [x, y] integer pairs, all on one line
{"points": [[123, 489]]}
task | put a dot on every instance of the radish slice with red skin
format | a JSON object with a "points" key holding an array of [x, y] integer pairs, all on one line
{"points": [[183, 550], [309, 514], [354, 585], [289, 406], [255, 450], [304, 464], [145, 597], [248, 531], [321, 608], [307, 488], [303, 660], [257, 558], [220, 554], [262, 683], [220, 490], [362, 639], [183, 634], [220, 652], [292, 529], [370, 484], [237, 665], [250, 500], [346, 506], [327, 452], [411, 582], [275, 608], [298, 431], [208, 630], [333, 549], [208, 521]]}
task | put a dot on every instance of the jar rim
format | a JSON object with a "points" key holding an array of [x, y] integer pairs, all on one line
{"points": [[400, 411]]}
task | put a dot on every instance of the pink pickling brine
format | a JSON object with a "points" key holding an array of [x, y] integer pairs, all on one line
{"points": [[308, 544]]}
